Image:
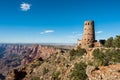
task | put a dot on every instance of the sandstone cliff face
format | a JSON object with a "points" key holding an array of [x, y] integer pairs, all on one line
{"points": [[14, 55], [43, 70]]}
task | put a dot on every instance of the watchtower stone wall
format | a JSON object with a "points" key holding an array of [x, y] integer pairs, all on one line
{"points": [[88, 38]]}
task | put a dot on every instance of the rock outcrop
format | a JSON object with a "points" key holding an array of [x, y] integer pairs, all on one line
{"points": [[111, 72], [63, 66], [15, 55]]}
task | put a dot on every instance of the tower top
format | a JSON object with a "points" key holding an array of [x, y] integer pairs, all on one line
{"points": [[91, 21]]}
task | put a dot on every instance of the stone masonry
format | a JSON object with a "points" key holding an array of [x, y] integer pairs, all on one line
{"points": [[88, 39]]}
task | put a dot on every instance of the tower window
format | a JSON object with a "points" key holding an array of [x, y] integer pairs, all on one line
{"points": [[85, 23], [91, 23]]}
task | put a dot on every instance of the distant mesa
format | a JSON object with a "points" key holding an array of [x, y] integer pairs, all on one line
{"points": [[88, 38]]}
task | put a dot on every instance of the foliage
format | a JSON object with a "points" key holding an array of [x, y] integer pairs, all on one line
{"points": [[106, 57], [117, 41], [109, 42], [45, 70], [113, 42], [99, 58], [36, 63], [78, 52], [79, 71], [91, 46], [56, 75], [113, 56]]}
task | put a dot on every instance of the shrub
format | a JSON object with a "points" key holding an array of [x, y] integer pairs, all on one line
{"points": [[105, 58], [99, 58], [79, 52], [113, 56], [91, 46], [113, 42], [56, 75], [45, 71], [117, 41], [79, 71]]}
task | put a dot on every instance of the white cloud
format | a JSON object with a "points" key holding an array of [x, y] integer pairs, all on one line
{"points": [[25, 6], [47, 31], [98, 32]]}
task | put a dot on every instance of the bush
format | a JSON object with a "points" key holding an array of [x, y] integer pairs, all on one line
{"points": [[45, 70], [99, 58], [79, 71], [91, 46], [113, 56], [117, 41], [56, 75], [79, 52], [106, 57], [109, 42], [113, 42]]}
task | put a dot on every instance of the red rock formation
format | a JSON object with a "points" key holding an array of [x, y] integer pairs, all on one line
{"points": [[16, 55]]}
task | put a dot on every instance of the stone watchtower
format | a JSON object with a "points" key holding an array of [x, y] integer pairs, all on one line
{"points": [[88, 38]]}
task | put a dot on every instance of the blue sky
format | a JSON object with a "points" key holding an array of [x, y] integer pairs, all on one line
{"points": [[56, 21]]}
